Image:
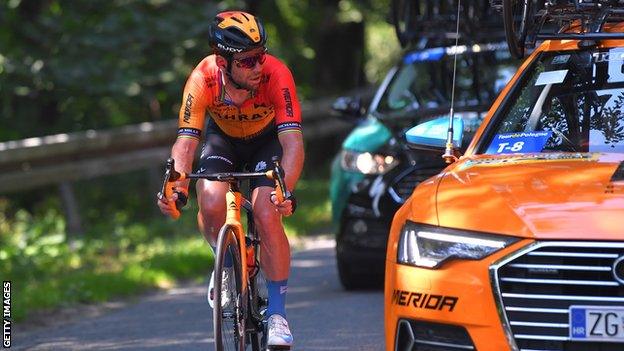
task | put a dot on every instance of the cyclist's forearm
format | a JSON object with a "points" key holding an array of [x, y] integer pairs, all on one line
{"points": [[183, 152], [292, 158]]}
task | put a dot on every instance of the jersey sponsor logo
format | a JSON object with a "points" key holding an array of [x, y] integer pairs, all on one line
{"points": [[241, 117], [187, 108], [217, 157], [288, 126], [193, 132], [288, 100], [422, 300]]}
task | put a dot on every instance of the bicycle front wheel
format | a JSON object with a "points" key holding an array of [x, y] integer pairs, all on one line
{"points": [[229, 313]]}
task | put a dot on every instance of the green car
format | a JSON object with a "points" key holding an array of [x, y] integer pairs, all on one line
{"points": [[375, 171]]}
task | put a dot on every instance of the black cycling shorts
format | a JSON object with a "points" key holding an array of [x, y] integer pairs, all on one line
{"points": [[223, 154]]}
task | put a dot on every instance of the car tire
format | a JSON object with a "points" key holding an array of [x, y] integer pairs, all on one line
{"points": [[357, 281]]}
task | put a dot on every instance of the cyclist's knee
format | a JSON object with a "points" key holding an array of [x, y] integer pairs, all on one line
{"points": [[267, 217], [211, 199]]}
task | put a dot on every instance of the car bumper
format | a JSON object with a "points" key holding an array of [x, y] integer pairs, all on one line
{"points": [[456, 303], [520, 298]]}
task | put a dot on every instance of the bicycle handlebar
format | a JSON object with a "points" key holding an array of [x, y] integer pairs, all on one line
{"points": [[171, 176]]}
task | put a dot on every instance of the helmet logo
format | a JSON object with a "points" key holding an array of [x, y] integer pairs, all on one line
{"points": [[227, 48]]}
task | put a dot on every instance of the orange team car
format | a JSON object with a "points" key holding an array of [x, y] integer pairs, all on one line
{"points": [[519, 243]]}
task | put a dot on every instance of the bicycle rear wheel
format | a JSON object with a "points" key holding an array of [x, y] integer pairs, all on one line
{"points": [[229, 316]]}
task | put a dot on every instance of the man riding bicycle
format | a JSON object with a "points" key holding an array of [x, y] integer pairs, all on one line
{"points": [[254, 115]]}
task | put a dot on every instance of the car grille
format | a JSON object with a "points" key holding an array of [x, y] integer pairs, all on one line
{"points": [[538, 286], [404, 183]]}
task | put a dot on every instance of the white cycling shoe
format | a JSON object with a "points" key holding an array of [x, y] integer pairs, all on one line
{"points": [[279, 336], [225, 285]]}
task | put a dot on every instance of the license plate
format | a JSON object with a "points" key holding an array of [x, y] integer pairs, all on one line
{"points": [[604, 323]]}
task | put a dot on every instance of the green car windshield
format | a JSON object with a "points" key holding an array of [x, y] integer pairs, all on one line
{"points": [[423, 82], [568, 101]]}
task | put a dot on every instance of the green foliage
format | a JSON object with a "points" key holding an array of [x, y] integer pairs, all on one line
{"points": [[382, 53], [50, 272], [69, 66], [314, 211]]}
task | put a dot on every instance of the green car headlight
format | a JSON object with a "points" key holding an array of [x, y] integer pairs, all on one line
{"points": [[430, 246], [366, 162]]}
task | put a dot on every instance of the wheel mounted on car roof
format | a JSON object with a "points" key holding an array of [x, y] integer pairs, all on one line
{"points": [[515, 20], [425, 19], [527, 21]]}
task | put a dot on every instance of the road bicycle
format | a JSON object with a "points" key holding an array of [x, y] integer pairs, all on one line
{"points": [[239, 324], [526, 21], [417, 19]]}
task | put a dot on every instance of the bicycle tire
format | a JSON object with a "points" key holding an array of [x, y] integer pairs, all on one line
{"points": [[229, 321], [404, 15], [255, 335], [516, 16]]}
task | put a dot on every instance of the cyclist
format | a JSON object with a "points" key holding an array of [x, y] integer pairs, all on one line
{"points": [[254, 115]]}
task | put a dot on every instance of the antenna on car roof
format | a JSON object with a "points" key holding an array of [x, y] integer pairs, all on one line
{"points": [[449, 152]]}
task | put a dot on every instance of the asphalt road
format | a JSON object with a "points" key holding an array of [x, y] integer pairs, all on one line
{"points": [[321, 314]]}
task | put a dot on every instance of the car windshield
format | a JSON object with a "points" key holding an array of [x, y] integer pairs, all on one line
{"points": [[571, 101], [424, 81]]}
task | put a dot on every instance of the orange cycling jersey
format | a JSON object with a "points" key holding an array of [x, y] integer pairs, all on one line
{"points": [[273, 106]]}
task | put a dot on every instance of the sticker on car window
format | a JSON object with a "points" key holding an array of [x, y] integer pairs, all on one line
{"points": [[552, 77], [521, 142], [560, 59]]}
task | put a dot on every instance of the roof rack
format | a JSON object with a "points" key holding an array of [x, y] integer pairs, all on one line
{"points": [[437, 19], [526, 22]]}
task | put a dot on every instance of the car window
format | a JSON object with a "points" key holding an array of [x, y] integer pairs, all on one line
{"points": [[571, 101], [424, 80]]}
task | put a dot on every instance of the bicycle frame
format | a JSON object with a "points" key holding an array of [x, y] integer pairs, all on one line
{"points": [[234, 201]]}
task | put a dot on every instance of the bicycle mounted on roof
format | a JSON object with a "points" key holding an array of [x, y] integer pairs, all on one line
{"points": [[527, 21], [436, 20], [524, 21]]}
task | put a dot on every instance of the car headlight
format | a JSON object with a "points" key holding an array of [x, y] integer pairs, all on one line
{"points": [[366, 162], [430, 246]]}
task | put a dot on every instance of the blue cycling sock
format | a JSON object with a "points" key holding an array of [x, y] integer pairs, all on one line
{"points": [[277, 297], [228, 257]]}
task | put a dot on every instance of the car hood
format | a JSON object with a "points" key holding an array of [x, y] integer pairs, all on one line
{"points": [[542, 196], [368, 136]]}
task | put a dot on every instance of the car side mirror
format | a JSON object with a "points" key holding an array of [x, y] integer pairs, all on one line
{"points": [[348, 106], [432, 135]]}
